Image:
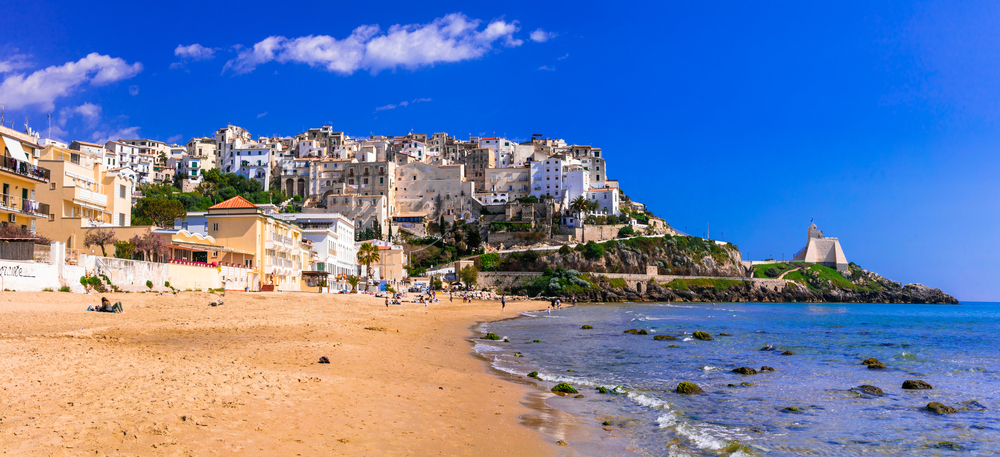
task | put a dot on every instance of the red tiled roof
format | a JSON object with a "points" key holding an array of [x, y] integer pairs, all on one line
{"points": [[235, 202]]}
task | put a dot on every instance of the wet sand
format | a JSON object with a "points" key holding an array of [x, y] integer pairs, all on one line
{"points": [[174, 376]]}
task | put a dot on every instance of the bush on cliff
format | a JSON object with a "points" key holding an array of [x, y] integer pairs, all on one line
{"points": [[556, 282], [772, 273], [593, 251]]}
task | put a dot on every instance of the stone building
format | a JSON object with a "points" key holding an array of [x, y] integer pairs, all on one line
{"points": [[822, 250]]}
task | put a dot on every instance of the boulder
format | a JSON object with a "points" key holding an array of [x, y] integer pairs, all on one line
{"points": [[643, 332], [766, 368], [324, 360], [876, 366], [870, 390], [632, 331], [586, 327], [688, 388], [665, 338], [767, 348], [745, 371], [562, 389], [916, 385], [725, 334], [870, 361], [533, 374], [703, 336], [490, 336], [940, 409], [787, 353]]}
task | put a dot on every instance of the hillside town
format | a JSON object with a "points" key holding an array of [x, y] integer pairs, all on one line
{"points": [[291, 213]]}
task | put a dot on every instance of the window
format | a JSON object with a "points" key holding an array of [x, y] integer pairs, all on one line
{"points": [[215, 227], [121, 191], [52, 186]]}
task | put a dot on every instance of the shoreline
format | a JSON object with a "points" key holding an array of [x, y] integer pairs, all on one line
{"points": [[174, 376]]}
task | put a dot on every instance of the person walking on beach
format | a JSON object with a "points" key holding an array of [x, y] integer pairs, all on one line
{"points": [[503, 302], [386, 302], [451, 297]]}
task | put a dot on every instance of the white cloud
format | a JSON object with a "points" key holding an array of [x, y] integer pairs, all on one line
{"points": [[44, 86], [452, 38], [194, 52], [175, 138], [262, 115], [14, 62], [89, 112], [133, 90], [124, 133], [541, 36], [563, 57], [402, 104], [546, 68]]}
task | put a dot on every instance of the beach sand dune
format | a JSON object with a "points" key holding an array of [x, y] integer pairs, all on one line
{"points": [[174, 376]]}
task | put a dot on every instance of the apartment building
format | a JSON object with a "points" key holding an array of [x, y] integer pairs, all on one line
{"points": [[332, 237], [476, 164], [433, 191], [82, 194], [513, 182], [19, 178]]}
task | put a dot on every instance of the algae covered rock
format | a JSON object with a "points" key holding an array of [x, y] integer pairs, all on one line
{"points": [[734, 447], [787, 353], [643, 332], [870, 361], [561, 443], [792, 409], [939, 408], [725, 334], [745, 371], [563, 388], [632, 331], [533, 374], [587, 327], [490, 336], [703, 336], [665, 338], [602, 390], [910, 384], [688, 388], [869, 389], [766, 368]]}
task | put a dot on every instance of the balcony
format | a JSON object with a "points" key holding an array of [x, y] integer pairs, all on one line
{"points": [[25, 169], [90, 197], [23, 206]]}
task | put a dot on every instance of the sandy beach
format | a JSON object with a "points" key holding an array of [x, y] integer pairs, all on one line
{"points": [[174, 376]]}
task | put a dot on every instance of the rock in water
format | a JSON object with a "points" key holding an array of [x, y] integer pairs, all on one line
{"points": [[632, 331], [745, 371], [688, 388], [725, 334], [876, 366], [787, 353], [940, 409], [870, 390], [562, 389], [561, 443], [665, 338], [767, 348], [870, 361], [643, 332], [766, 368], [916, 385], [586, 327], [703, 336], [324, 360]]}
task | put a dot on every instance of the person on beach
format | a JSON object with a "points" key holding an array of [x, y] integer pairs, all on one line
{"points": [[387, 302], [503, 302], [451, 298]]}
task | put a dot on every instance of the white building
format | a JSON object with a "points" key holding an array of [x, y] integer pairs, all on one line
{"points": [[332, 235]]}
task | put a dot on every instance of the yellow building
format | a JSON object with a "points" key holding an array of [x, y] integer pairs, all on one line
{"points": [[82, 194], [277, 263], [19, 175]]}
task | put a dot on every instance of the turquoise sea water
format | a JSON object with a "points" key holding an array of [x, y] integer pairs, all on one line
{"points": [[954, 348]]}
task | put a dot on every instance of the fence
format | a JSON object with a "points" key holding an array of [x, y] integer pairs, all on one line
{"points": [[17, 250]]}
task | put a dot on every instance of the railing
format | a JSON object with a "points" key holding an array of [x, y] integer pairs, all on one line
{"points": [[24, 205], [90, 196], [281, 239], [24, 169], [192, 263]]}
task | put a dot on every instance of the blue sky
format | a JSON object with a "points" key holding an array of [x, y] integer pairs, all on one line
{"points": [[878, 119]]}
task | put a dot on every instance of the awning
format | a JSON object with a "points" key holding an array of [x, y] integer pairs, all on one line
{"points": [[16, 151]]}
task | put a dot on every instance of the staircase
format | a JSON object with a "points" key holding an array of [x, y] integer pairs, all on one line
{"points": [[267, 288]]}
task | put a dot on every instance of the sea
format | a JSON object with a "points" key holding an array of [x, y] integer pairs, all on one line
{"points": [[808, 406]]}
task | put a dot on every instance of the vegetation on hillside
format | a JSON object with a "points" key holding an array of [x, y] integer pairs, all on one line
{"points": [[556, 282], [159, 200], [459, 240]]}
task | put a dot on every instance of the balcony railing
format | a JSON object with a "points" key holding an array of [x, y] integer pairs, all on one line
{"points": [[24, 169], [23, 205]]}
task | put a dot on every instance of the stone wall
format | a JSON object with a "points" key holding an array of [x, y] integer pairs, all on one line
{"points": [[637, 282]]}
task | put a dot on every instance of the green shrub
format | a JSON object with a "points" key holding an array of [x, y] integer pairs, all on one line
{"points": [[64, 289], [563, 388], [593, 251], [149, 284], [626, 232], [47, 289], [565, 250], [618, 283], [167, 284], [772, 273]]}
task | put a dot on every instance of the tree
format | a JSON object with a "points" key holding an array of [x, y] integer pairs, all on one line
{"points": [[160, 212], [367, 255], [149, 244], [442, 226], [579, 206], [469, 275], [100, 236], [353, 281], [389, 237], [124, 249], [625, 232]]}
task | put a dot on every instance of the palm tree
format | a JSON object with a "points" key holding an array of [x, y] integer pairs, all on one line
{"points": [[353, 281], [580, 205], [367, 255]]}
